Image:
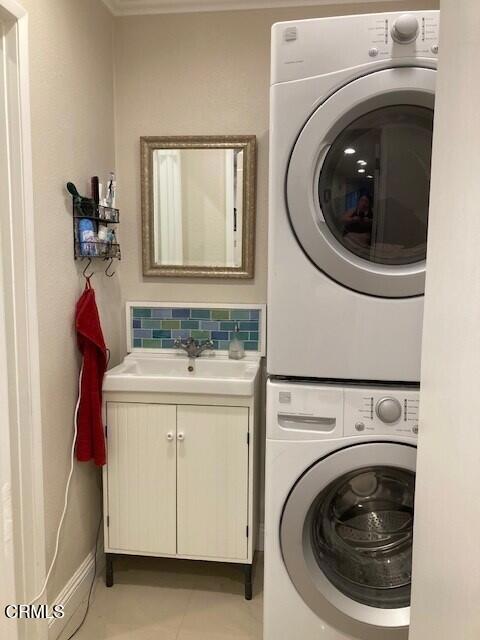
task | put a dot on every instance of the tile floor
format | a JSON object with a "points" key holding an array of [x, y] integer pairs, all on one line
{"points": [[164, 599]]}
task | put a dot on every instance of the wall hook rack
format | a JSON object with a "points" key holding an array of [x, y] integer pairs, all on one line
{"points": [[84, 272], [110, 275]]}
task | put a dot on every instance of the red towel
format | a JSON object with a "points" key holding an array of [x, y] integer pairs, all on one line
{"points": [[90, 433]]}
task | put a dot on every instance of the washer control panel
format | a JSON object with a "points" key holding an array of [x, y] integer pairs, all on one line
{"points": [[317, 411], [381, 411]]}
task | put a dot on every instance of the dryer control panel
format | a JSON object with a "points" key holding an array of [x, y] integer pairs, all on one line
{"points": [[408, 34], [314, 47], [381, 411]]}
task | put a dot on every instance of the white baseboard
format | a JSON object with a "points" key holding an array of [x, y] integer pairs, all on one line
{"points": [[261, 537], [74, 592]]}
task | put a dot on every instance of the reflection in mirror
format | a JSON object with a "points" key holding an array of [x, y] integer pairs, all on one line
{"points": [[375, 183], [198, 206]]}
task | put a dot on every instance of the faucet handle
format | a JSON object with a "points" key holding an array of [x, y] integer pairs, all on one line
{"points": [[177, 343]]}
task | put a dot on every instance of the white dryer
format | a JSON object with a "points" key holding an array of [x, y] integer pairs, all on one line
{"points": [[340, 477], [351, 123]]}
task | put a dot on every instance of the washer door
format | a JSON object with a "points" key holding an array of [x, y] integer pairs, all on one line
{"points": [[346, 533], [358, 182]]}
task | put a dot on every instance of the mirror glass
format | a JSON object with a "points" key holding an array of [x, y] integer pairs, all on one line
{"points": [[198, 208]]}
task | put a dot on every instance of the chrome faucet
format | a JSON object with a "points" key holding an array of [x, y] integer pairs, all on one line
{"points": [[192, 347]]}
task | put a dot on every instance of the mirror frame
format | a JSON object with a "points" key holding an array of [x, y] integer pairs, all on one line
{"points": [[148, 144]]}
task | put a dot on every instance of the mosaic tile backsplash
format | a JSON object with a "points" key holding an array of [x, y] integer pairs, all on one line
{"points": [[158, 327]]}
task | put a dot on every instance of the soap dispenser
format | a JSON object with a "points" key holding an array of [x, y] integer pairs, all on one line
{"points": [[236, 350]]}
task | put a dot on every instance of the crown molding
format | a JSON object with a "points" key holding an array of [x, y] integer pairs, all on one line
{"points": [[149, 7]]}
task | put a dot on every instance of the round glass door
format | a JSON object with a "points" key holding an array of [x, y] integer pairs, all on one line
{"points": [[361, 528], [346, 533], [375, 182], [358, 183]]}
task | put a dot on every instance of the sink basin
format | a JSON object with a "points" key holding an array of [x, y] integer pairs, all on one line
{"points": [[211, 374]]}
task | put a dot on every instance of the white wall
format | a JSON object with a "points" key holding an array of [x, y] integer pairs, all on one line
{"points": [[446, 566]]}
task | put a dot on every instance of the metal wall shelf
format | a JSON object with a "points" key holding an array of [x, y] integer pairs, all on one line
{"points": [[97, 212], [84, 208], [97, 249]]}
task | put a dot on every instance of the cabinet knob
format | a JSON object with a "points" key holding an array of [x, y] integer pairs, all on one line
{"points": [[170, 436], [181, 436]]}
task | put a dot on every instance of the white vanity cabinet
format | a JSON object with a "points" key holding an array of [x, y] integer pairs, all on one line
{"points": [[212, 482], [141, 478], [180, 478]]}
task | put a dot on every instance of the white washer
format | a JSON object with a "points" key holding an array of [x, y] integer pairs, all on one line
{"points": [[350, 147], [340, 474]]}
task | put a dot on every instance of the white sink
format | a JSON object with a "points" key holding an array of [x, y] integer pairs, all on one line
{"points": [[170, 373]]}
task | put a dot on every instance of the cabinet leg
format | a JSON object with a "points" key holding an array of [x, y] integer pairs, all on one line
{"points": [[248, 581], [109, 569]]}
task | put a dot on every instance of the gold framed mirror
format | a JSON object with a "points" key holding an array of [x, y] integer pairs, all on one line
{"points": [[198, 206]]}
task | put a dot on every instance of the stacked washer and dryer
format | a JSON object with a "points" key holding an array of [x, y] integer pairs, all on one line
{"points": [[352, 102]]}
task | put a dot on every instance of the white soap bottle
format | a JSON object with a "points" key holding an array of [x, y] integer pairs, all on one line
{"points": [[236, 349]]}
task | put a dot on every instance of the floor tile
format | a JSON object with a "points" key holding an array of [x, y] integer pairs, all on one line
{"points": [[130, 604], [166, 599], [209, 635], [219, 614], [102, 631]]}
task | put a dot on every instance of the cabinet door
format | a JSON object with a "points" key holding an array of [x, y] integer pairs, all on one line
{"points": [[212, 481], [141, 477]]}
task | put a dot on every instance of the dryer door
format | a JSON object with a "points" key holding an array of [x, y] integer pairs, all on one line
{"points": [[358, 182], [346, 533]]}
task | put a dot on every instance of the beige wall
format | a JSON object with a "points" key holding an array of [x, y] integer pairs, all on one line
{"points": [[446, 568], [204, 73], [73, 139]]}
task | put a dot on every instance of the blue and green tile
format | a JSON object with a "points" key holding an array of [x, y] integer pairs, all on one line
{"points": [[200, 314], [163, 333], [220, 314], [189, 324], [170, 324], [140, 312], [159, 327]]}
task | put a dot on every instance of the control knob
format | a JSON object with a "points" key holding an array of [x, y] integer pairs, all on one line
{"points": [[389, 410], [405, 29]]}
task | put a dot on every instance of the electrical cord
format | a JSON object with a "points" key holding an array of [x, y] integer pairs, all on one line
{"points": [[99, 524], [92, 583], [67, 488]]}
